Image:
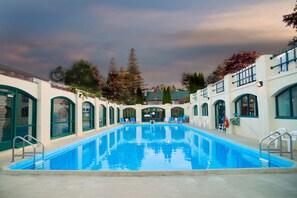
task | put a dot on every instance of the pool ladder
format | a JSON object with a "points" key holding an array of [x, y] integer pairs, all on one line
{"points": [[275, 150], [27, 153]]}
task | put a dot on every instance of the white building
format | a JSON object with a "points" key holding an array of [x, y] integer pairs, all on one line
{"points": [[47, 111], [262, 96]]}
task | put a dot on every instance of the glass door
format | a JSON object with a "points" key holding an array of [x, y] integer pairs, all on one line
{"points": [[219, 112], [6, 121]]}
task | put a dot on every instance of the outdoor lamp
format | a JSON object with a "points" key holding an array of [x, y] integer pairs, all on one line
{"points": [[260, 83]]}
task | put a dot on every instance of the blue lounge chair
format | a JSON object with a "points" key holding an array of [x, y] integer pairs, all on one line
{"points": [[179, 120], [133, 120], [170, 120], [122, 121], [184, 118]]}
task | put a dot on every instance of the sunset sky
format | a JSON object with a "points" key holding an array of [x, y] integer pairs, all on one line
{"points": [[170, 36]]}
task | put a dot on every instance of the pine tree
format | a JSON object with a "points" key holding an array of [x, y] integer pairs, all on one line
{"points": [[164, 95], [133, 72], [112, 82], [139, 96], [134, 77], [200, 81], [169, 95], [196, 82]]}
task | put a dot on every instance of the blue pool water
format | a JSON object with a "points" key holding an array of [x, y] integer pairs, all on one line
{"points": [[151, 147]]}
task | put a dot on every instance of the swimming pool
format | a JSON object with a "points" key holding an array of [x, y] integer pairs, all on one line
{"points": [[151, 147]]}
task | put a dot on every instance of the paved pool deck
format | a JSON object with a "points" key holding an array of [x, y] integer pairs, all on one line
{"points": [[244, 183]]}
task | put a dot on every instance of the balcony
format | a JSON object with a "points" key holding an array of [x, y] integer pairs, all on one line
{"points": [[245, 76], [286, 61], [219, 87]]}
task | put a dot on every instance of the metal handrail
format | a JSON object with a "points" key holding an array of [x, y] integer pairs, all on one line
{"points": [[281, 148], [39, 142], [266, 137], [273, 140], [23, 148]]}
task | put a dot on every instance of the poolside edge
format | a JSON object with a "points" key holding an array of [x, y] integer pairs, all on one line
{"points": [[7, 171]]}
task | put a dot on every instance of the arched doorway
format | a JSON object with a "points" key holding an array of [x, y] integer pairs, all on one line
{"points": [[129, 113], [177, 112], [219, 112], [17, 115], [153, 113]]}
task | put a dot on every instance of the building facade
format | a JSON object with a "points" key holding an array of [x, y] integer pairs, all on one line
{"points": [[257, 99]]}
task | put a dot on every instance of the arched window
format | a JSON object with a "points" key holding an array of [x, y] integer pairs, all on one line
{"points": [[153, 113], [177, 112], [195, 110], [62, 117], [129, 113], [111, 115], [286, 103], [205, 109], [246, 105], [102, 116], [88, 116]]}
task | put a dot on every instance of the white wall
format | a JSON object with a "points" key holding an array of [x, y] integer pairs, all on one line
{"points": [[273, 83]]}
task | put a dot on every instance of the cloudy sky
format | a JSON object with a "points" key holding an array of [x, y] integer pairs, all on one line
{"points": [[170, 36]]}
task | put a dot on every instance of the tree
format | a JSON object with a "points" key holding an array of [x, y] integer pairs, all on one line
{"points": [[82, 76], [134, 77], [233, 64], [139, 96], [186, 80], [239, 61], [57, 74], [166, 95], [123, 85], [100, 79], [195, 82], [216, 75], [112, 89], [293, 42], [168, 98], [291, 20]]}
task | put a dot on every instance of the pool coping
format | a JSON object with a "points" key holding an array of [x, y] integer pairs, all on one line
{"points": [[8, 171]]}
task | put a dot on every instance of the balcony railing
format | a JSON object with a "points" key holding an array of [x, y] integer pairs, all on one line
{"points": [[245, 76], [219, 87], [15, 73], [204, 93], [284, 59]]}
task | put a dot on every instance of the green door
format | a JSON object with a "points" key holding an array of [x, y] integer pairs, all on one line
{"points": [[219, 112], [6, 129]]}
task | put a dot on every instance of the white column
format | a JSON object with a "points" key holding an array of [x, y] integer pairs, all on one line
{"points": [[78, 115], [43, 112]]}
